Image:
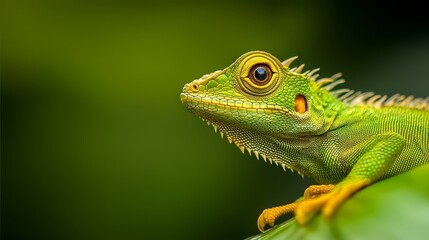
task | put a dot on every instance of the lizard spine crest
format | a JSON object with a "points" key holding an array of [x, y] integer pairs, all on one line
{"points": [[354, 98]]}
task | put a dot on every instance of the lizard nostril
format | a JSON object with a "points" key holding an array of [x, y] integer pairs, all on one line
{"points": [[194, 87]]}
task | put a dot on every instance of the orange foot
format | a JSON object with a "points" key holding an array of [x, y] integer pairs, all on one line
{"points": [[328, 202], [269, 216]]}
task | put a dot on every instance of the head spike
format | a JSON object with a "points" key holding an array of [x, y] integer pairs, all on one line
{"points": [[338, 92], [420, 103], [336, 76], [333, 84], [407, 101], [299, 69], [380, 102], [315, 76], [324, 81], [360, 99], [391, 100], [345, 95], [425, 103], [371, 100], [313, 72], [288, 61], [351, 97]]}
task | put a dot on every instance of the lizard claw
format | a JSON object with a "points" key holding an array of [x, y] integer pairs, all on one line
{"points": [[263, 220]]}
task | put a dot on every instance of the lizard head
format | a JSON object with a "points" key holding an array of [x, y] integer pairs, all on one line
{"points": [[258, 97]]}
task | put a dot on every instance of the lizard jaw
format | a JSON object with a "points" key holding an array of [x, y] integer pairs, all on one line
{"points": [[243, 148]]}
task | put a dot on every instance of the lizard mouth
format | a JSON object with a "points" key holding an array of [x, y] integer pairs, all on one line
{"points": [[192, 101]]}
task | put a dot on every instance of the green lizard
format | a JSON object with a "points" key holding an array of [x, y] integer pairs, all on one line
{"points": [[350, 139]]}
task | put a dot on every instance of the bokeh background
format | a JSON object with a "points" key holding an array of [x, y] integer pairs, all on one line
{"points": [[95, 143]]}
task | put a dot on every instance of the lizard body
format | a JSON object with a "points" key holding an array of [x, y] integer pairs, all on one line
{"points": [[350, 139]]}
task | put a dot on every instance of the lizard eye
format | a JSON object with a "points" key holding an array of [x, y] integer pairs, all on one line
{"points": [[260, 74]]}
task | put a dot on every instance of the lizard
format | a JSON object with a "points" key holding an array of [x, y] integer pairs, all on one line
{"points": [[344, 139]]}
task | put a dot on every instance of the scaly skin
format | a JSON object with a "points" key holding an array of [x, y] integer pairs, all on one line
{"points": [[334, 136]]}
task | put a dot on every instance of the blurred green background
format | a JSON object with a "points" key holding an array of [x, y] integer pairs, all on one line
{"points": [[95, 142]]}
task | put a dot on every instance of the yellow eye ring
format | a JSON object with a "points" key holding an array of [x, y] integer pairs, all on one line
{"points": [[259, 74]]}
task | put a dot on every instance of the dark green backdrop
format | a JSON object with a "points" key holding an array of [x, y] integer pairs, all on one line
{"points": [[95, 143]]}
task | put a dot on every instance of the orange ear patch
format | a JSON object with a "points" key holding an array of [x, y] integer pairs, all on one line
{"points": [[300, 104]]}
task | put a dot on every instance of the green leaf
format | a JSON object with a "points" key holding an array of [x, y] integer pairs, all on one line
{"points": [[395, 208]]}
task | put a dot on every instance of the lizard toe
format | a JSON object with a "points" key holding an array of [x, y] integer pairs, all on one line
{"points": [[262, 221]]}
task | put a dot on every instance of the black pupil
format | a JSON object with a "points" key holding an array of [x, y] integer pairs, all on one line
{"points": [[260, 74]]}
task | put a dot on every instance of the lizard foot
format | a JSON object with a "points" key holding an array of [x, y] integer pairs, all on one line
{"points": [[328, 202], [269, 216]]}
